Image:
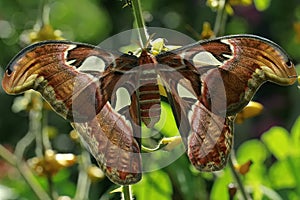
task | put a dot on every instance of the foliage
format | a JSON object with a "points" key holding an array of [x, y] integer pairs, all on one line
{"points": [[274, 172], [275, 154]]}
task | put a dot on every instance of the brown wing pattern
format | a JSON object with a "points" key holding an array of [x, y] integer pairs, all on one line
{"points": [[207, 83], [224, 73], [244, 63], [81, 93]]}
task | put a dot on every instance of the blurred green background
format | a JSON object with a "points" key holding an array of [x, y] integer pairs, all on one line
{"points": [[93, 21]]}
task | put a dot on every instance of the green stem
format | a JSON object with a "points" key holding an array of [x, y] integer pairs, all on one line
{"points": [[221, 18], [25, 172], [51, 188], [84, 182], [37, 120], [23, 144], [8, 156], [21, 147], [45, 132], [142, 31], [238, 179], [43, 17], [150, 150], [294, 171], [126, 193], [143, 37], [32, 182], [36, 123]]}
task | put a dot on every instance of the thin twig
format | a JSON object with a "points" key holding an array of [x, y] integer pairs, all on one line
{"points": [[142, 31], [25, 172], [45, 132], [84, 182], [238, 180], [21, 147], [35, 123], [220, 18], [143, 37], [44, 12], [51, 190], [126, 192], [8, 156], [23, 144], [32, 182]]}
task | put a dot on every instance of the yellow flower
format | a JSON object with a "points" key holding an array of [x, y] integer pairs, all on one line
{"points": [[95, 173], [207, 32], [240, 2], [297, 31], [31, 100], [45, 33], [215, 4], [51, 163], [251, 110], [74, 135]]}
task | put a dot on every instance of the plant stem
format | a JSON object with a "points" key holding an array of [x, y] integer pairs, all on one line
{"points": [[44, 12], [36, 122], [23, 144], [143, 37], [221, 18], [84, 182], [32, 182], [45, 132], [126, 192], [8, 156], [25, 172], [16, 158], [141, 28], [238, 180], [51, 192], [294, 170]]}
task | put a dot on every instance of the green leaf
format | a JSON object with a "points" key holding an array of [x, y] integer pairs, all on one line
{"points": [[62, 176], [154, 185], [281, 176], [270, 193], [237, 25], [252, 150], [293, 196], [278, 142], [167, 123], [62, 184], [262, 5], [255, 151], [295, 136], [186, 180], [220, 187], [94, 21]]}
